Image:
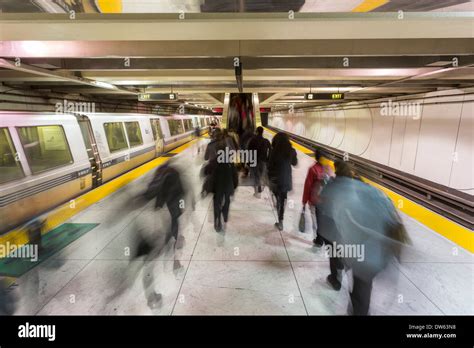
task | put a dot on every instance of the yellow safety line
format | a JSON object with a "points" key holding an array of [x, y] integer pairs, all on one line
{"points": [[456, 233], [297, 146], [183, 147], [369, 5], [64, 212]]}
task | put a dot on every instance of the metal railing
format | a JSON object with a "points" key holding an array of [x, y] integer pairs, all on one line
{"points": [[452, 204]]}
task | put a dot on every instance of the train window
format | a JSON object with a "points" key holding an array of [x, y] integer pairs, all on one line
{"points": [[176, 127], [188, 125], [45, 147], [9, 166], [115, 136], [156, 128], [134, 133]]}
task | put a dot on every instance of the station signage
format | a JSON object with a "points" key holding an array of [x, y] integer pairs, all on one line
{"points": [[157, 96], [324, 96]]}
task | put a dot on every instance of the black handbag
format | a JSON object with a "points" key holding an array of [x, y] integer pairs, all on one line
{"points": [[301, 225]]}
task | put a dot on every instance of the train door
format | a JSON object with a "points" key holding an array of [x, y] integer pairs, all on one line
{"points": [[92, 151], [157, 135]]}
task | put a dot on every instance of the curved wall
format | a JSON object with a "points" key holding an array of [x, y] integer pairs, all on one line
{"points": [[432, 140]]}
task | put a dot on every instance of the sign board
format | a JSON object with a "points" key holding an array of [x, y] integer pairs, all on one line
{"points": [[157, 96], [324, 96]]}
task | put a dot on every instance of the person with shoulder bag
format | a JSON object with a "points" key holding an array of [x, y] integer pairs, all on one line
{"points": [[314, 183]]}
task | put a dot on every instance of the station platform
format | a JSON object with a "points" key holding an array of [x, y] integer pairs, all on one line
{"points": [[251, 268]]}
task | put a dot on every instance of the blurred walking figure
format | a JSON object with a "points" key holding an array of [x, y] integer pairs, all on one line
{"points": [[211, 149], [262, 147], [210, 156], [245, 138], [7, 298], [168, 189], [327, 232], [197, 135], [222, 182], [358, 216], [282, 157], [316, 179], [230, 139], [157, 232]]}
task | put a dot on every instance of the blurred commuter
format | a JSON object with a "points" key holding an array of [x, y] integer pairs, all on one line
{"points": [[381, 230], [223, 180], [7, 298], [167, 188], [153, 234], [211, 149], [197, 135], [282, 157], [327, 228], [359, 217], [197, 132], [230, 139], [316, 178], [262, 147], [245, 137]]}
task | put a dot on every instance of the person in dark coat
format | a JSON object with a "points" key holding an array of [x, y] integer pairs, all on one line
{"points": [[229, 140], [167, 188], [223, 182], [244, 141], [262, 147], [282, 157], [211, 150]]}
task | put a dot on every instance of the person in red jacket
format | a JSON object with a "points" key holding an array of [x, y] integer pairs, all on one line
{"points": [[315, 180]]}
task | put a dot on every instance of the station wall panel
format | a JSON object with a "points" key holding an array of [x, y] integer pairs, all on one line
{"points": [[462, 174], [410, 140], [397, 139], [436, 143], [379, 148], [437, 139], [340, 129]]}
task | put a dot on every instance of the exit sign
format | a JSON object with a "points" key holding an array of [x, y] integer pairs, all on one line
{"points": [[324, 96], [157, 96]]}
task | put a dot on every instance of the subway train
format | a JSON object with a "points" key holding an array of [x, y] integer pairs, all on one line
{"points": [[48, 159]]}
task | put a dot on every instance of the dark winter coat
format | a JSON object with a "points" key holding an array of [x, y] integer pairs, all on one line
{"points": [[279, 171], [166, 187], [224, 178], [262, 146]]}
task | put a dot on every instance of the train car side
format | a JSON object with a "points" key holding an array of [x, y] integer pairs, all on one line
{"points": [[41, 166]]}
